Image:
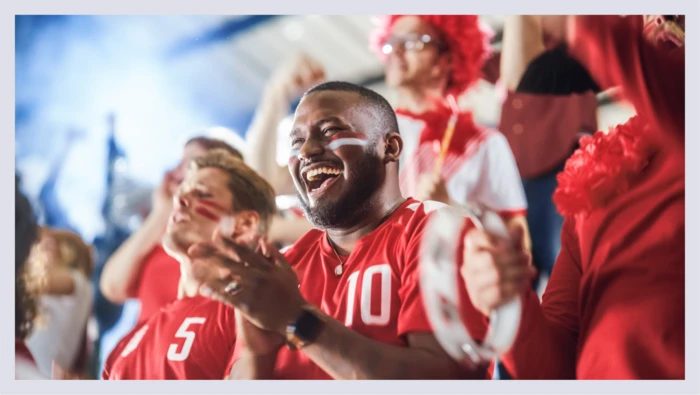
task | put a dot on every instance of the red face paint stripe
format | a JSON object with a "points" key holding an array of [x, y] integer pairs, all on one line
{"points": [[211, 204], [206, 213]]}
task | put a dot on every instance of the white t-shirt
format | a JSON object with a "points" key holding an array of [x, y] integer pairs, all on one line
{"points": [[485, 172], [62, 335]]}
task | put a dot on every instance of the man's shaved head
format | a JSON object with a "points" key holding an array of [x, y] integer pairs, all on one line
{"points": [[376, 105]]}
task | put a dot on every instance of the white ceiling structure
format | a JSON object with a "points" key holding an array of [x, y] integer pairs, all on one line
{"points": [[235, 70], [76, 73], [241, 65]]}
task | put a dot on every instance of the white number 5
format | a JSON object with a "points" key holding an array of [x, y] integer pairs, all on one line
{"points": [[182, 332]]}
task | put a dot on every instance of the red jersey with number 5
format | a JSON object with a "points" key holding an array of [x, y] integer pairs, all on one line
{"points": [[377, 295], [191, 338]]}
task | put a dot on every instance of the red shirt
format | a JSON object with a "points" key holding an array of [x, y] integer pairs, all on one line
{"points": [[543, 129], [158, 284], [614, 307], [378, 293], [652, 78], [192, 338]]}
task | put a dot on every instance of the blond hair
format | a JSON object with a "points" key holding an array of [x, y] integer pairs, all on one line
{"points": [[210, 144], [250, 191]]}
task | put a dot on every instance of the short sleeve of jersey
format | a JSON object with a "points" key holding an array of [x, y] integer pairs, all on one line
{"points": [[412, 316], [500, 186], [115, 353]]}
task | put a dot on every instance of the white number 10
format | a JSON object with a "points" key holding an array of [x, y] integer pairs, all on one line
{"points": [[368, 318], [182, 332]]}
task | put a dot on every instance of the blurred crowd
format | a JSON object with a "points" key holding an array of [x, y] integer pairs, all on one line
{"points": [[550, 72]]}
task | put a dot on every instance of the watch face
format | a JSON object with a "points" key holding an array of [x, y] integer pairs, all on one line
{"points": [[307, 327]]}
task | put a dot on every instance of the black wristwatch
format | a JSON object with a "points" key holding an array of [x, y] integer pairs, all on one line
{"points": [[304, 330]]}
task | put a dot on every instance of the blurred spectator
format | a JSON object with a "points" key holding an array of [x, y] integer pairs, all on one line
{"points": [[614, 308], [25, 300], [63, 264], [429, 58], [140, 268], [217, 187], [550, 102]]}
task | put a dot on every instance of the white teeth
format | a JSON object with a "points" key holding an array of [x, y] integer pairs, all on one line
{"points": [[313, 174]]}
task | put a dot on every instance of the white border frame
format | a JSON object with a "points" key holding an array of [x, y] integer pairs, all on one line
{"points": [[11, 7]]}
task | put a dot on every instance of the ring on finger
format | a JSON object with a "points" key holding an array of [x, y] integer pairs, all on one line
{"points": [[231, 287]]}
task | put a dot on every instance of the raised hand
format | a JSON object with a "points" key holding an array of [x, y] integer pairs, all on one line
{"points": [[431, 186], [298, 75]]}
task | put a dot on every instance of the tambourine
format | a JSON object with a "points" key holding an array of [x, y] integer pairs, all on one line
{"points": [[440, 282]]}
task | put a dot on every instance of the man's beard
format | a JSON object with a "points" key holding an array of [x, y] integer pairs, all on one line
{"points": [[354, 204]]}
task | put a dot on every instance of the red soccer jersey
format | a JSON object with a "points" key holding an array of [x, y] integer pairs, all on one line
{"points": [[158, 283], [377, 294], [192, 338]]}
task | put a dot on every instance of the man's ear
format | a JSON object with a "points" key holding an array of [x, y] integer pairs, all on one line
{"points": [[245, 225], [392, 147]]}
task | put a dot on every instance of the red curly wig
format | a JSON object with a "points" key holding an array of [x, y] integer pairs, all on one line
{"points": [[467, 40]]}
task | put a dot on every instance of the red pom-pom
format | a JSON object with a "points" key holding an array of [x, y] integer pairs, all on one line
{"points": [[468, 42], [603, 167]]}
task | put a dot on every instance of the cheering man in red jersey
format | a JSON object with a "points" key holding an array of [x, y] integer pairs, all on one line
{"points": [[356, 311], [193, 337], [614, 306]]}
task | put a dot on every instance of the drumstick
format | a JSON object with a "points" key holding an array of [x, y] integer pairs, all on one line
{"points": [[449, 132]]}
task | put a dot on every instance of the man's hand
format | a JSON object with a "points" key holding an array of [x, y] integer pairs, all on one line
{"points": [[162, 197], [264, 289], [298, 75], [495, 270], [431, 186], [59, 373], [555, 26], [255, 340]]}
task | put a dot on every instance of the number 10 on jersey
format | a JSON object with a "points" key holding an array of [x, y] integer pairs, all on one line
{"points": [[367, 300]]}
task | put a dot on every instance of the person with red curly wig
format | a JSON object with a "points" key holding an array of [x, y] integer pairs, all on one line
{"points": [[614, 307], [429, 60]]}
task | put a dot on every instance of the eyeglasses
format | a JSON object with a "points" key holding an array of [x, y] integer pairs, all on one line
{"points": [[410, 42]]}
